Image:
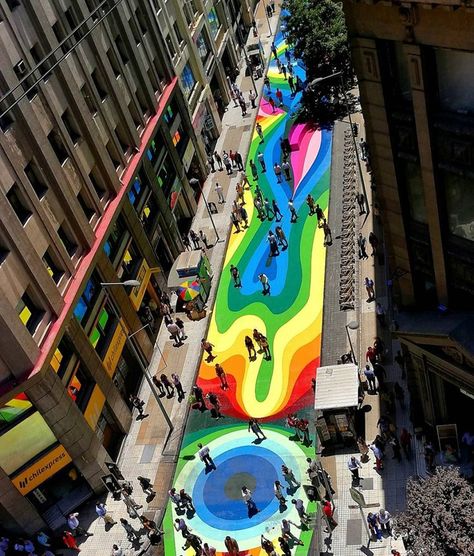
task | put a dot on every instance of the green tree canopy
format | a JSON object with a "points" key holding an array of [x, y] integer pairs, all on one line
{"points": [[318, 32]]}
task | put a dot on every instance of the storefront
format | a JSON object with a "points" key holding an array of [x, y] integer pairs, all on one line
{"points": [[337, 396]]}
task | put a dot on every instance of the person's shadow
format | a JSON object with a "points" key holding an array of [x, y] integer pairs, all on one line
{"points": [[253, 510], [257, 441]]}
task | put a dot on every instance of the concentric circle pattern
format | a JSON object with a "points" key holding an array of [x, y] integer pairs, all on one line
{"points": [[291, 319]]}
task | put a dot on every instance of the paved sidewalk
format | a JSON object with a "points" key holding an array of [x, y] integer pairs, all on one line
{"points": [[384, 489], [146, 451]]}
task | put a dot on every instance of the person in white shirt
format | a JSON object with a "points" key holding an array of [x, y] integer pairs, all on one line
{"points": [[265, 283], [205, 457], [286, 531], [354, 465], [384, 519], [116, 551], [278, 491]]}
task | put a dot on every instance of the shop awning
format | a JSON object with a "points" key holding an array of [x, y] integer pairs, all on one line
{"points": [[337, 386], [185, 268]]}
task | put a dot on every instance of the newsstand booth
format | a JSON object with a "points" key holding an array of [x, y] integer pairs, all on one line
{"points": [[337, 397]]}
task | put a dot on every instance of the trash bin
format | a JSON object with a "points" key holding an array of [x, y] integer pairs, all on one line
{"points": [[212, 208]]}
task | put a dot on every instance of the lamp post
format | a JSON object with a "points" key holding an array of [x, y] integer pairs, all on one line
{"points": [[249, 66], [195, 181], [353, 325], [361, 177], [134, 350], [268, 20]]}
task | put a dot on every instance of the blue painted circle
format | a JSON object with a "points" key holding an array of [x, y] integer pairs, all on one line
{"points": [[219, 511]]}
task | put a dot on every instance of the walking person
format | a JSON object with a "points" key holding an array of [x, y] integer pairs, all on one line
{"points": [[284, 546], [288, 55], [212, 163], [285, 166], [320, 216], [374, 243], [257, 337], [180, 325], [186, 243], [363, 449], [203, 238], [232, 546], [235, 221], [175, 498], [294, 215], [266, 348], [199, 397], [378, 456], [186, 501], [220, 193], [370, 376], [179, 387], [265, 283], [361, 244], [268, 210], [329, 513], [278, 492], [180, 525], [247, 498], [146, 485], [194, 239], [289, 477], [259, 130], [216, 406], [205, 456], [218, 158], [243, 107], [69, 541], [234, 272], [167, 384], [373, 524], [396, 448], [132, 535], [299, 505], [405, 442], [207, 347], [384, 519], [283, 71], [272, 104], [101, 511], [380, 374], [279, 96], [266, 82], [254, 426], [138, 404], [281, 237], [354, 465], [276, 211], [277, 170], [327, 234], [250, 348], [227, 164], [291, 83], [361, 203], [310, 203], [222, 376], [274, 50], [239, 161], [274, 251], [252, 97], [244, 216], [286, 532], [260, 158], [253, 169], [369, 286]]}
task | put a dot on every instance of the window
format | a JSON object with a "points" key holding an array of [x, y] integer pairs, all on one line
{"points": [[92, 8], [214, 22], [135, 31], [177, 33], [14, 409], [132, 259], [15, 199], [166, 177], [55, 272], [99, 85], [170, 45], [89, 296], [459, 204], [122, 138], [12, 4], [136, 192], [187, 79], [70, 126], [29, 314], [60, 35], [6, 120], [36, 179], [117, 238], [66, 240], [114, 156], [86, 205], [454, 86], [97, 183], [58, 146], [28, 84], [62, 356], [122, 50], [80, 388], [410, 174], [156, 148], [113, 60], [149, 214], [202, 43], [141, 21], [37, 55], [89, 98], [4, 251], [103, 330]]}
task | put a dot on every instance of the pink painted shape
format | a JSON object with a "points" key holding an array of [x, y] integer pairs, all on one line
{"points": [[110, 211], [309, 142]]}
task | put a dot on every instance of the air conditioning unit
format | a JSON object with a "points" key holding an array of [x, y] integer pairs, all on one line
{"points": [[20, 68]]}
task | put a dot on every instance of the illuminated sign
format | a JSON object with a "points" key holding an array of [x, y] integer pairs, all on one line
{"points": [[94, 407], [138, 292], [115, 348]]}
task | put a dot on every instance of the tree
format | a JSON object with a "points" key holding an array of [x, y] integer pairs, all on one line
{"points": [[319, 35], [439, 518]]}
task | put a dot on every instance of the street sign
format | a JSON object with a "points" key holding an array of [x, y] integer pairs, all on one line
{"points": [[358, 497]]}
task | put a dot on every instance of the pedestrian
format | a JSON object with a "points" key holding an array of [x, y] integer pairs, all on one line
{"points": [[252, 97], [266, 348], [361, 244], [186, 242], [284, 546], [194, 542], [320, 216], [194, 239], [205, 456], [286, 532], [131, 505], [303, 425], [232, 546], [294, 215], [244, 216], [199, 397], [279, 96], [216, 406], [101, 511], [354, 465], [369, 286], [396, 448], [259, 130], [138, 404], [283, 71], [212, 163], [208, 550], [235, 221], [299, 505], [243, 107], [266, 82], [254, 426], [175, 498], [132, 535], [285, 147], [179, 387], [277, 170], [371, 356], [272, 104], [265, 283], [278, 492], [285, 166], [289, 477], [220, 193], [281, 237], [373, 524], [429, 455], [222, 376], [253, 169], [291, 83], [234, 272], [363, 449], [218, 159], [146, 485], [181, 331], [207, 347], [278, 63], [276, 211], [227, 163], [260, 158], [329, 513], [258, 205], [250, 348], [288, 55], [374, 243], [370, 376], [378, 456], [361, 202], [274, 251], [69, 541], [290, 69], [203, 238], [405, 442], [400, 361], [186, 500], [274, 50], [327, 234], [380, 374], [268, 210], [180, 525], [239, 161], [380, 312], [173, 329], [116, 551]]}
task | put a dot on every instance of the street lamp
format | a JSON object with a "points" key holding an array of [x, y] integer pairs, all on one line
{"points": [[193, 182], [339, 74], [353, 325], [134, 350]]}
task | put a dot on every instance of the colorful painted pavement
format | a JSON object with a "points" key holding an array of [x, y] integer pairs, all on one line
{"points": [[291, 318]]}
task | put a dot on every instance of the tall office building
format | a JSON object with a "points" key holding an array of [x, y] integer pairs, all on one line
{"points": [[107, 109], [414, 63]]}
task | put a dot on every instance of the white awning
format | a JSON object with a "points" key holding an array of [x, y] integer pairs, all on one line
{"points": [[337, 386]]}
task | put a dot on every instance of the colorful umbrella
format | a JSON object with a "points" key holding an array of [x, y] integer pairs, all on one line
{"points": [[187, 291]]}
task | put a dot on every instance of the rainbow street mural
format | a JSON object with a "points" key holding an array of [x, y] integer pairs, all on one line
{"points": [[291, 319]]}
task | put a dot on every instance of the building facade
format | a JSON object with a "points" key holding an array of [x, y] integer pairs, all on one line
{"points": [[108, 108], [413, 61]]}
